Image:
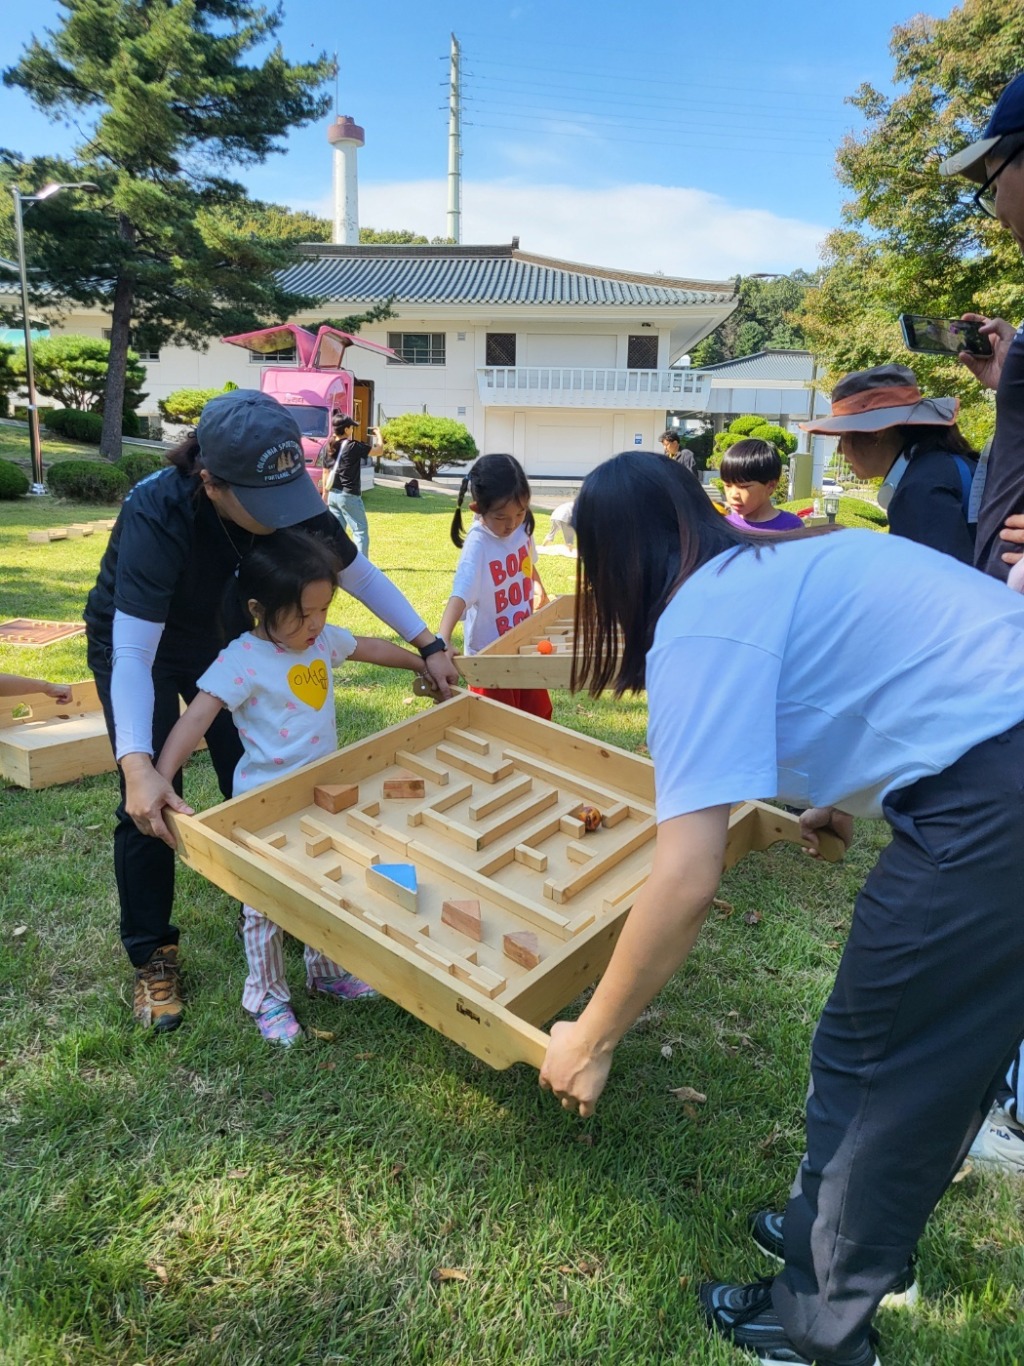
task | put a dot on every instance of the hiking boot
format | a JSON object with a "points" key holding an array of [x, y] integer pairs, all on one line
{"points": [[156, 1003], [744, 1315], [343, 988], [766, 1231], [277, 1023], [1000, 1143]]}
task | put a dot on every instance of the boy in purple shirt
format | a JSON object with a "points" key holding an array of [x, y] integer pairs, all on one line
{"points": [[750, 471]]}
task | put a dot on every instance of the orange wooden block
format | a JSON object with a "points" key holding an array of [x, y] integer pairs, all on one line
{"points": [[463, 916], [406, 785], [523, 948], [335, 797]]}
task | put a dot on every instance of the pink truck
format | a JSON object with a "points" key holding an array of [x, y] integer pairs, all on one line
{"points": [[318, 386]]}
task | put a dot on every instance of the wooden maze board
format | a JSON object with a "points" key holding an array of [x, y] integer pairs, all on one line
{"points": [[44, 742], [515, 661], [488, 823]]}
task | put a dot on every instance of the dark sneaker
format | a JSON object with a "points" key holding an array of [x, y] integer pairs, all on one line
{"points": [[766, 1231], [744, 1315], [156, 1003]]}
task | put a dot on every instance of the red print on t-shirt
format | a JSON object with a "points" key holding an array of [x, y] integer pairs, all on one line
{"points": [[514, 593]]}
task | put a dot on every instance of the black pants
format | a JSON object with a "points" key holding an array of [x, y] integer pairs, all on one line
{"points": [[913, 1044], [143, 865]]}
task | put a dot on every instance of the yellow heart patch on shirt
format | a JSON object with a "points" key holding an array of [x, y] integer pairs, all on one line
{"points": [[309, 683]]}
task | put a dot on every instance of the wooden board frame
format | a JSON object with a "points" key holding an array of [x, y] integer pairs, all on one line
{"points": [[513, 660], [305, 867], [53, 742]]}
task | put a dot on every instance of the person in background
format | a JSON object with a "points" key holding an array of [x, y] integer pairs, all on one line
{"points": [[561, 520], [670, 444], [995, 163], [750, 472], [888, 430], [342, 484]]}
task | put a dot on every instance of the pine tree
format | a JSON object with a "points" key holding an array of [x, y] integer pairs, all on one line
{"points": [[168, 105]]}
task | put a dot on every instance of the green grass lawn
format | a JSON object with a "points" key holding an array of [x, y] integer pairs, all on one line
{"points": [[201, 1198]]}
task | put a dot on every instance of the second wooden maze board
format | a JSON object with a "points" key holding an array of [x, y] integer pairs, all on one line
{"points": [[517, 659], [494, 827]]}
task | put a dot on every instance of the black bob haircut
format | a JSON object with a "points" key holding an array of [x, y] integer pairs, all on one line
{"points": [[276, 572], [751, 462]]}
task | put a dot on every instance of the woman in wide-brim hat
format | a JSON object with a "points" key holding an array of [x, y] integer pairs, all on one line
{"points": [[888, 430]]}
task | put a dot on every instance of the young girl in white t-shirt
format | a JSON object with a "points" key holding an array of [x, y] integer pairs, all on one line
{"points": [[275, 679], [496, 578]]}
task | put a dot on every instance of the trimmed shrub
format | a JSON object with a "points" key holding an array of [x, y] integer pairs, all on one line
{"points": [[13, 482], [783, 441], [87, 481], [744, 426], [136, 465], [185, 405], [76, 426], [429, 442]]}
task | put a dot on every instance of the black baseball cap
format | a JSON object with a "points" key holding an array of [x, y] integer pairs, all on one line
{"points": [[254, 444], [1007, 117]]}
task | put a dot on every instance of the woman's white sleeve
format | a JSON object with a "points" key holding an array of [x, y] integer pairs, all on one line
{"points": [[131, 686], [376, 592]]}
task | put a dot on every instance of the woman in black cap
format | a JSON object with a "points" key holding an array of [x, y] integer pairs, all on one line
{"points": [[888, 430], [153, 628]]}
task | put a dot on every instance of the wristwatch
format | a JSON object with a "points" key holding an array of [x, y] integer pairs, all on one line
{"points": [[435, 647]]}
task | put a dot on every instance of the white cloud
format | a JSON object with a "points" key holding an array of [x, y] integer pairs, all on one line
{"points": [[677, 231]]}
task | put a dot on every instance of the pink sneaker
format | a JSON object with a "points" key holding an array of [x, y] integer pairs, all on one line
{"points": [[344, 988], [277, 1023]]}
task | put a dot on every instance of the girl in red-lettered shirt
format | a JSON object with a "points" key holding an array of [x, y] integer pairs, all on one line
{"points": [[496, 580]]}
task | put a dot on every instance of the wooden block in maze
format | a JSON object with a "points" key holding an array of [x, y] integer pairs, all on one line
{"points": [[523, 947], [533, 858], [425, 767], [404, 786], [396, 881], [572, 825], [578, 853], [335, 797], [478, 766], [463, 916]]}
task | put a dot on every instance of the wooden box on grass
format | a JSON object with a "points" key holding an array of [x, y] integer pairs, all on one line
{"points": [[44, 742], [497, 834], [514, 660]]}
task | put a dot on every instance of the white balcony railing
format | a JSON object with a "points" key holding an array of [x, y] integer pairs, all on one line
{"points": [[584, 386]]}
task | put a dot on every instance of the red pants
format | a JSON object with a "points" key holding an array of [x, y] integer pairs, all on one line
{"points": [[536, 701]]}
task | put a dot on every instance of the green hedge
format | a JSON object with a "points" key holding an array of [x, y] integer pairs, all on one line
{"points": [[87, 481], [138, 465], [12, 481], [75, 425]]}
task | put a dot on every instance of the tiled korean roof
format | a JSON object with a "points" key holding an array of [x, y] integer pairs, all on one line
{"points": [[482, 275], [774, 364]]}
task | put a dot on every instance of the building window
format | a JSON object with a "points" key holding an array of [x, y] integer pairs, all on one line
{"points": [[501, 348], [418, 348], [642, 353], [286, 356], [143, 351]]}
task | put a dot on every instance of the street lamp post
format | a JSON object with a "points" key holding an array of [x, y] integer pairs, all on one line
{"points": [[47, 192]]}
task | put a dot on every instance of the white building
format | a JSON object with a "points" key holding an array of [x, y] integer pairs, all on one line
{"points": [[560, 364]]}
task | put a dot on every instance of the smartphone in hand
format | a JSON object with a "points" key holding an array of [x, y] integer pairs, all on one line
{"points": [[943, 336]]}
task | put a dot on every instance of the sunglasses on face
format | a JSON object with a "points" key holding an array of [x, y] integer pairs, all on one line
{"points": [[985, 198]]}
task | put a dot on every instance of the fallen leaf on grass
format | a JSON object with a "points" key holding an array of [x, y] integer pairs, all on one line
{"points": [[216, 1331], [160, 1272], [562, 1308], [90, 828], [364, 1057], [396, 1170], [752, 918], [324, 1035], [440, 1274], [238, 1173], [326, 1066], [666, 1050], [721, 905], [965, 1170], [684, 1282], [687, 1093], [18, 931], [833, 944], [586, 1139]]}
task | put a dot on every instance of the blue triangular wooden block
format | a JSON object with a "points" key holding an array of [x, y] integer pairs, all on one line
{"points": [[404, 874]]}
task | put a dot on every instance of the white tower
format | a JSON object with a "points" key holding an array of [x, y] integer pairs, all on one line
{"points": [[346, 137]]}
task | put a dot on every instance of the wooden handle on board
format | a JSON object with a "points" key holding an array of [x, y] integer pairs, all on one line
{"points": [[830, 846]]}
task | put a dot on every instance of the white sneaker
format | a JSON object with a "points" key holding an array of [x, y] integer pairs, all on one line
{"points": [[1000, 1143]]}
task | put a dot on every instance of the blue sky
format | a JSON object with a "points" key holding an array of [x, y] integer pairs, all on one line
{"points": [[694, 139]]}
